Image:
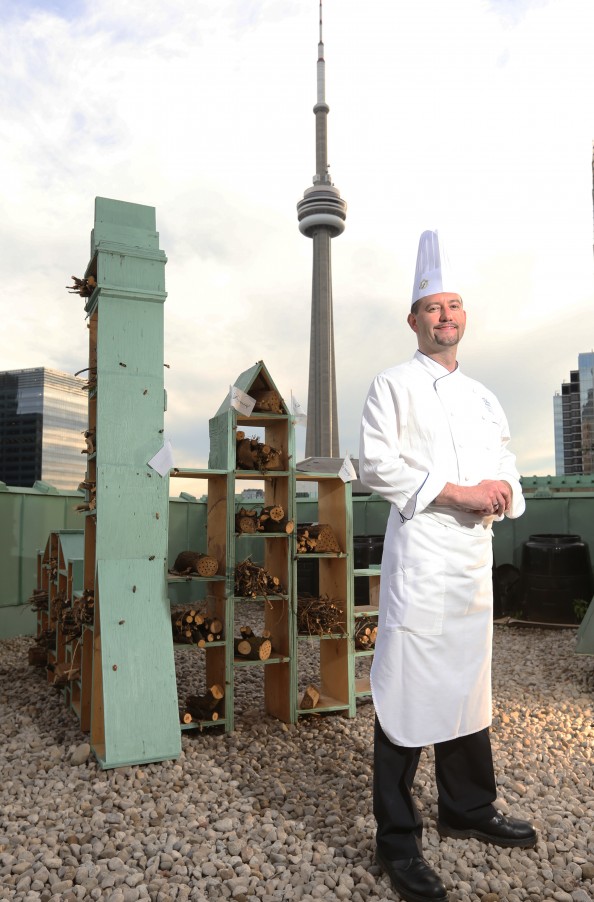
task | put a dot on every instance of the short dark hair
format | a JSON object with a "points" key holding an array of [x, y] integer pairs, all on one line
{"points": [[415, 307]]}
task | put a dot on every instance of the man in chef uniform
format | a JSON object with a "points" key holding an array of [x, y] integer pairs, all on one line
{"points": [[434, 443]]}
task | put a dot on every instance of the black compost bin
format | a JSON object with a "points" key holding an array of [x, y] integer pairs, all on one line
{"points": [[367, 551], [555, 572]]}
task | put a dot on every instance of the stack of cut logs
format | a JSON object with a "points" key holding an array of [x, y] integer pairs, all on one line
{"points": [[252, 581], [204, 707], [269, 519], [252, 647], [195, 628], [189, 562], [318, 616], [251, 454], [316, 538], [365, 633]]}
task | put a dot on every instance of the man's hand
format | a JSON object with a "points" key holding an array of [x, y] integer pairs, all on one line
{"points": [[490, 497]]}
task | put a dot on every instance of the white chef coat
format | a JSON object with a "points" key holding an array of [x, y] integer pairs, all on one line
{"points": [[424, 426]]}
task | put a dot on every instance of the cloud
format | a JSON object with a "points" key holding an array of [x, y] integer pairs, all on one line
{"points": [[472, 117]]}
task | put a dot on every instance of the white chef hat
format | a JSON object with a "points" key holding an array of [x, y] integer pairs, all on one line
{"points": [[434, 272]]}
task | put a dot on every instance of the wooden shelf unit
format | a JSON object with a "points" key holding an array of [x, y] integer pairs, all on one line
{"points": [[371, 610], [335, 579], [277, 549]]}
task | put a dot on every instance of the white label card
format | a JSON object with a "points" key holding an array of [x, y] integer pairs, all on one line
{"points": [[347, 472], [241, 401], [162, 462]]}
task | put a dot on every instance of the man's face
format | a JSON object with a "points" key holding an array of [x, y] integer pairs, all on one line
{"points": [[439, 322]]}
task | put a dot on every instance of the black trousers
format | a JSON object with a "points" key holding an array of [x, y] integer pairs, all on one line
{"points": [[465, 784]]}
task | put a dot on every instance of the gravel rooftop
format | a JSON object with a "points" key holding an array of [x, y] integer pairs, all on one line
{"points": [[278, 812]]}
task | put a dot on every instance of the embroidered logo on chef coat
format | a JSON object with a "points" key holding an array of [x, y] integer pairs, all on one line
{"points": [[488, 405]]}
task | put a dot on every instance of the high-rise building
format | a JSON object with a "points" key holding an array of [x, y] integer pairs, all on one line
{"points": [[321, 214], [573, 409], [42, 415]]}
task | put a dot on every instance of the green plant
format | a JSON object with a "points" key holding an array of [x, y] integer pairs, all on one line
{"points": [[579, 608]]}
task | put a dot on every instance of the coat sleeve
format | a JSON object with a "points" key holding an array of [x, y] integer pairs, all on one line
{"points": [[509, 472], [409, 485]]}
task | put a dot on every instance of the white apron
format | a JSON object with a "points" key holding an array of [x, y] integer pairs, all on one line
{"points": [[431, 672]]}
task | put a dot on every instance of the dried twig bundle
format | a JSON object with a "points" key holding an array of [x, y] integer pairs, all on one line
{"points": [[252, 581], [319, 616]]}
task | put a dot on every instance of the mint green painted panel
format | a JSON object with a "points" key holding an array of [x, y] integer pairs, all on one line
{"points": [[129, 501], [17, 620], [187, 527], [124, 222], [131, 339], [129, 421], [72, 542], [138, 273], [585, 634], [26, 519], [139, 685]]}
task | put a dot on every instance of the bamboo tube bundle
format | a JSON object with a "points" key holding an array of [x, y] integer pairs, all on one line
{"points": [[252, 647], [38, 600], [189, 562], [252, 454], [318, 538], [204, 707], [252, 581], [365, 633], [318, 616]]}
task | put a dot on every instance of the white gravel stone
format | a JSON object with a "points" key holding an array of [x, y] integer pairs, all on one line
{"points": [[278, 812]]}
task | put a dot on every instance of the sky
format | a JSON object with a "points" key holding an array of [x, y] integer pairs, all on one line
{"points": [[475, 117]]}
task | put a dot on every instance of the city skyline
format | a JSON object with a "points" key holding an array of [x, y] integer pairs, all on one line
{"points": [[475, 119]]}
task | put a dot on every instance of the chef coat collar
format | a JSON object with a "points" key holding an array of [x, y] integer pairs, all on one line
{"points": [[433, 368]]}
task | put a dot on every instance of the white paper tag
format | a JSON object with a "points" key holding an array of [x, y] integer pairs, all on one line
{"points": [[162, 462], [298, 415], [241, 401], [347, 472]]}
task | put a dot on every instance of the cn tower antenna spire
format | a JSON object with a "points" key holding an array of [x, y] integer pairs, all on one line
{"points": [[321, 214]]}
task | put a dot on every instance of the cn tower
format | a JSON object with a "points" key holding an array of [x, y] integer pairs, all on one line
{"points": [[321, 214]]}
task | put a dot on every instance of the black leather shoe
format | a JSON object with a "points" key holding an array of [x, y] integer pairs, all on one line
{"points": [[498, 830], [413, 879]]}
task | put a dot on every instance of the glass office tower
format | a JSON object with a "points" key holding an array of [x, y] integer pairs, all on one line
{"points": [[573, 410], [42, 416]]}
